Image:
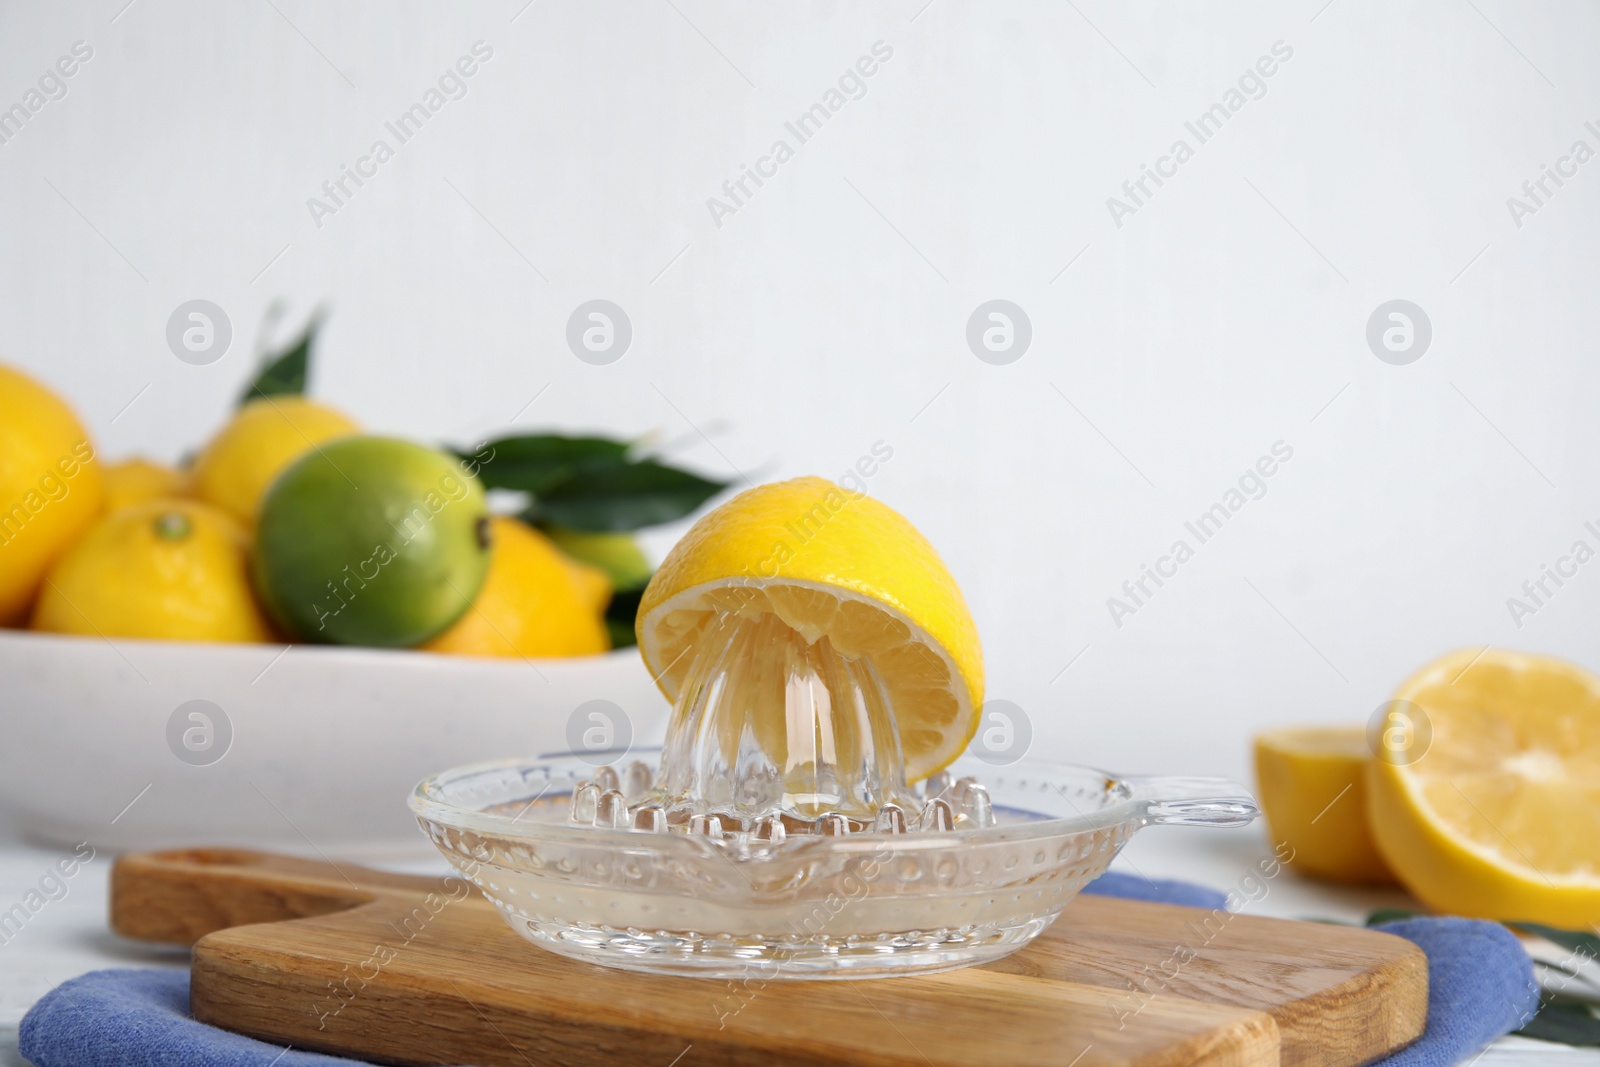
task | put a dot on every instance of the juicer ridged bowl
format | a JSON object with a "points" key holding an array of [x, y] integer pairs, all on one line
{"points": [[811, 905]]}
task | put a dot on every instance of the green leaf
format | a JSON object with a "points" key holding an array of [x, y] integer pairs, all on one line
{"points": [[590, 484], [284, 373], [540, 463], [621, 497], [621, 614], [1566, 1022], [1573, 940], [1389, 915]]}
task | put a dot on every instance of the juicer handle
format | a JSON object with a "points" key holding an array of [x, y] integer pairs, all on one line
{"points": [[1193, 801]]}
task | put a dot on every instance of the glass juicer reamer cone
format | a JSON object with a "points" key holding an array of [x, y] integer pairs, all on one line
{"points": [[774, 836]]}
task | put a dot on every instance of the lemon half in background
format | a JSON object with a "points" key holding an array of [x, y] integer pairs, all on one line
{"points": [[1312, 781], [1498, 816], [835, 565]]}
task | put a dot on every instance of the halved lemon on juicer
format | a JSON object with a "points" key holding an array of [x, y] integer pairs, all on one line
{"points": [[829, 566]]}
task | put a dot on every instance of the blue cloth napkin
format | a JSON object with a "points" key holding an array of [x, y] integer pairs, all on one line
{"points": [[1481, 986], [1155, 890], [140, 1018]]}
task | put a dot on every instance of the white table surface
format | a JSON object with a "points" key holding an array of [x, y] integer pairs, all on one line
{"points": [[69, 936]]}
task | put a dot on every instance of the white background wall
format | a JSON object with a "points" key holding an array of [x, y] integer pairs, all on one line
{"points": [[829, 312]]}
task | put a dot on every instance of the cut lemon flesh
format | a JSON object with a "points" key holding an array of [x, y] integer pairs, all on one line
{"points": [[1499, 817], [831, 567]]}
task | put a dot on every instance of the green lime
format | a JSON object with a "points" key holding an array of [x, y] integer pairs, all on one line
{"points": [[615, 553], [371, 541]]}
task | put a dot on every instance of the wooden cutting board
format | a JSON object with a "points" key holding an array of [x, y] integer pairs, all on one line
{"points": [[416, 970]]}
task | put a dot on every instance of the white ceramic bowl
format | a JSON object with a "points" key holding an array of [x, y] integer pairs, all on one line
{"points": [[319, 746]]}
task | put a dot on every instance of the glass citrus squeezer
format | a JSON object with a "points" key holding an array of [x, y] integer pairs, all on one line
{"points": [[775, 835], [809, 815]]}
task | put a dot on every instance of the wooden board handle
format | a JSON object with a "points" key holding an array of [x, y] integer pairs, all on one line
{"points": [[180, 896]]}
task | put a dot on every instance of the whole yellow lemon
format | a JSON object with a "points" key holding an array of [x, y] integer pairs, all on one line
{"points": [[268, 433], [50, 487], [533, 602], [174, 570], [136, 481]]}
